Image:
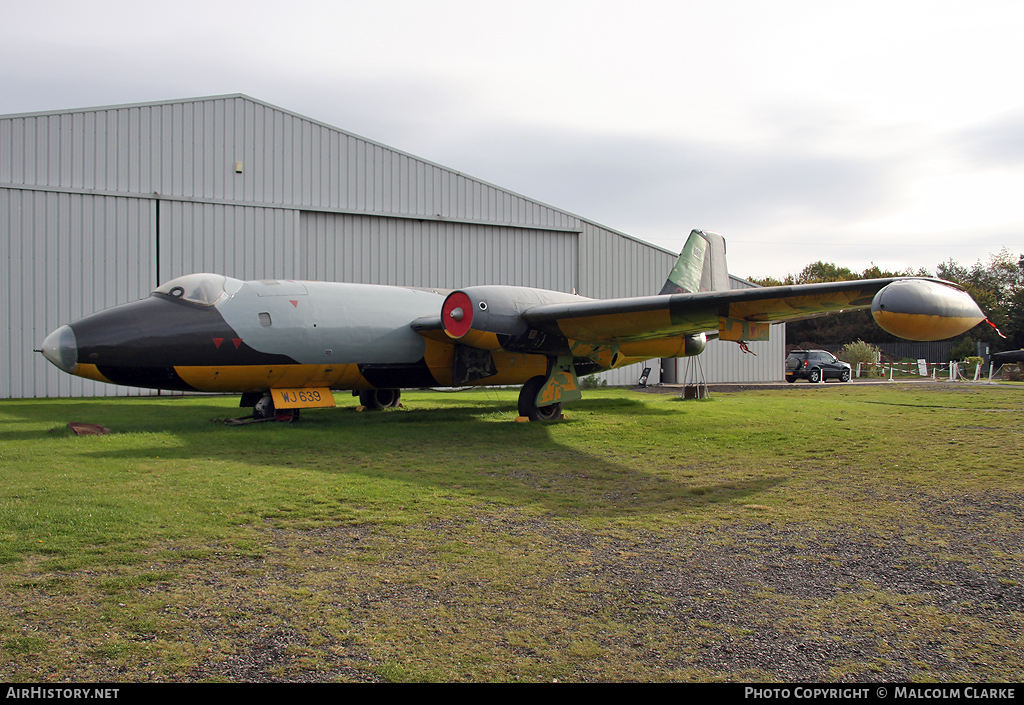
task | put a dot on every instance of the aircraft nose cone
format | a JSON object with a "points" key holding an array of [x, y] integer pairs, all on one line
{"points": [[61, 348]]}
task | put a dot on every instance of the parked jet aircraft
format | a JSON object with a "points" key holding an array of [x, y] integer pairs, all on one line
{"points": [[284, 345], [1009, 356]]}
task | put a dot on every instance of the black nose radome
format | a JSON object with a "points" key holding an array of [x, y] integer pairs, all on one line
{"points": [[61, 348]]}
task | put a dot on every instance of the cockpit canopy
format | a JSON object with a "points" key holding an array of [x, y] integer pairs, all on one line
{"points": [[203, 289]]}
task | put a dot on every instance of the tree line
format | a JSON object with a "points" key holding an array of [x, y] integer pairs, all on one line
{"points": [[997, 286]]}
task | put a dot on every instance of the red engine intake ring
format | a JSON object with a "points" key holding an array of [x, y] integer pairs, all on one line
{"points": [[457, 314]]}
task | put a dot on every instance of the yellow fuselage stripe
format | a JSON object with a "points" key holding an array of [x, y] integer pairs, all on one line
{"points": [[513, 369]]}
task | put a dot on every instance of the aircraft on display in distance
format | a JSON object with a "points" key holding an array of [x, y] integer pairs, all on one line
{"points": [[1009, 356], [286, 345]]}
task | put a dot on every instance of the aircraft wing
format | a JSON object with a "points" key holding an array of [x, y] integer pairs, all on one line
{"points": [[647, 317], [918, 309], [532, 320]]}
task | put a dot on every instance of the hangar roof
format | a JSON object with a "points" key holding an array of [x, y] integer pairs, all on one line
{"points": [[189, 148]]}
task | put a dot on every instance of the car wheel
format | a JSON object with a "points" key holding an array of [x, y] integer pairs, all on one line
{"points": [[845, 376], [814, 376], [791, 378]]}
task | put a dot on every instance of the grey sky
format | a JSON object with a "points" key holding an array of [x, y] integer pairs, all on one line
{"points": [[879, 131]]}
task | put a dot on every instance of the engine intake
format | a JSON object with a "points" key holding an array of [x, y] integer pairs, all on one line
{"points": [[490, 317]]}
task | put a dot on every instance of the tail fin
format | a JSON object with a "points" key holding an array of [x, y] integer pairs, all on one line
{"points": [[701, 265]]}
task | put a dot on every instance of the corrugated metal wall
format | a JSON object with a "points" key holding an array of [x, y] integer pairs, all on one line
{"points": [[613, 267], [46, 238], [100, 205], [245, 242], [935, 351], [378, 250], [724, 361]]}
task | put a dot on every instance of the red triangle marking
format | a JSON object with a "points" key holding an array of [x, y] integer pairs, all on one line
{"points": [[294, 303], [237, 342], [217, 342]]}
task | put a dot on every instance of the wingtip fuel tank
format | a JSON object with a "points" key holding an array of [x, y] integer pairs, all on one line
{"points": [[925, 310]]}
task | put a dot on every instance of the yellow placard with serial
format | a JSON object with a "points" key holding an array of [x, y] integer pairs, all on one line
{"points": [[305, 398]]}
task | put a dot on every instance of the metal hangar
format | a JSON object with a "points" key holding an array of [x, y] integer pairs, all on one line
{"points": [[100, 205]]}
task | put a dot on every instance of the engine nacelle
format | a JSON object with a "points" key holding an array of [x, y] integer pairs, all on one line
{"points": [[923, 309], [694, 344], [488, 316], [680, 346]]}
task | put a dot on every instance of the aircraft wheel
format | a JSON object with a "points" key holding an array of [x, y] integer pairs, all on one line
{"points": [[264, 408], [845, 376], [380, 398], [814, 377], [529, 408]]}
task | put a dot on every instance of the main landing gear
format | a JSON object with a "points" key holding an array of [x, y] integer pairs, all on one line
{"points": [[528, 405], [541, 397], [377, 399]]}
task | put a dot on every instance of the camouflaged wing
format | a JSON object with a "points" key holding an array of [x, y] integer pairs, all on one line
{"points": [[650, 317]]}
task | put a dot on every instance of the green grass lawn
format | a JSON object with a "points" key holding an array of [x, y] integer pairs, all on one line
{"points": [[836, 533]]}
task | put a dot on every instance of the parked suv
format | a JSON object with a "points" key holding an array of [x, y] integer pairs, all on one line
{"points": [[815, 365]]}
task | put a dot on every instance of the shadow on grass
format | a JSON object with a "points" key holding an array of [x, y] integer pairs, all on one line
{"points": [[472, 450]]}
